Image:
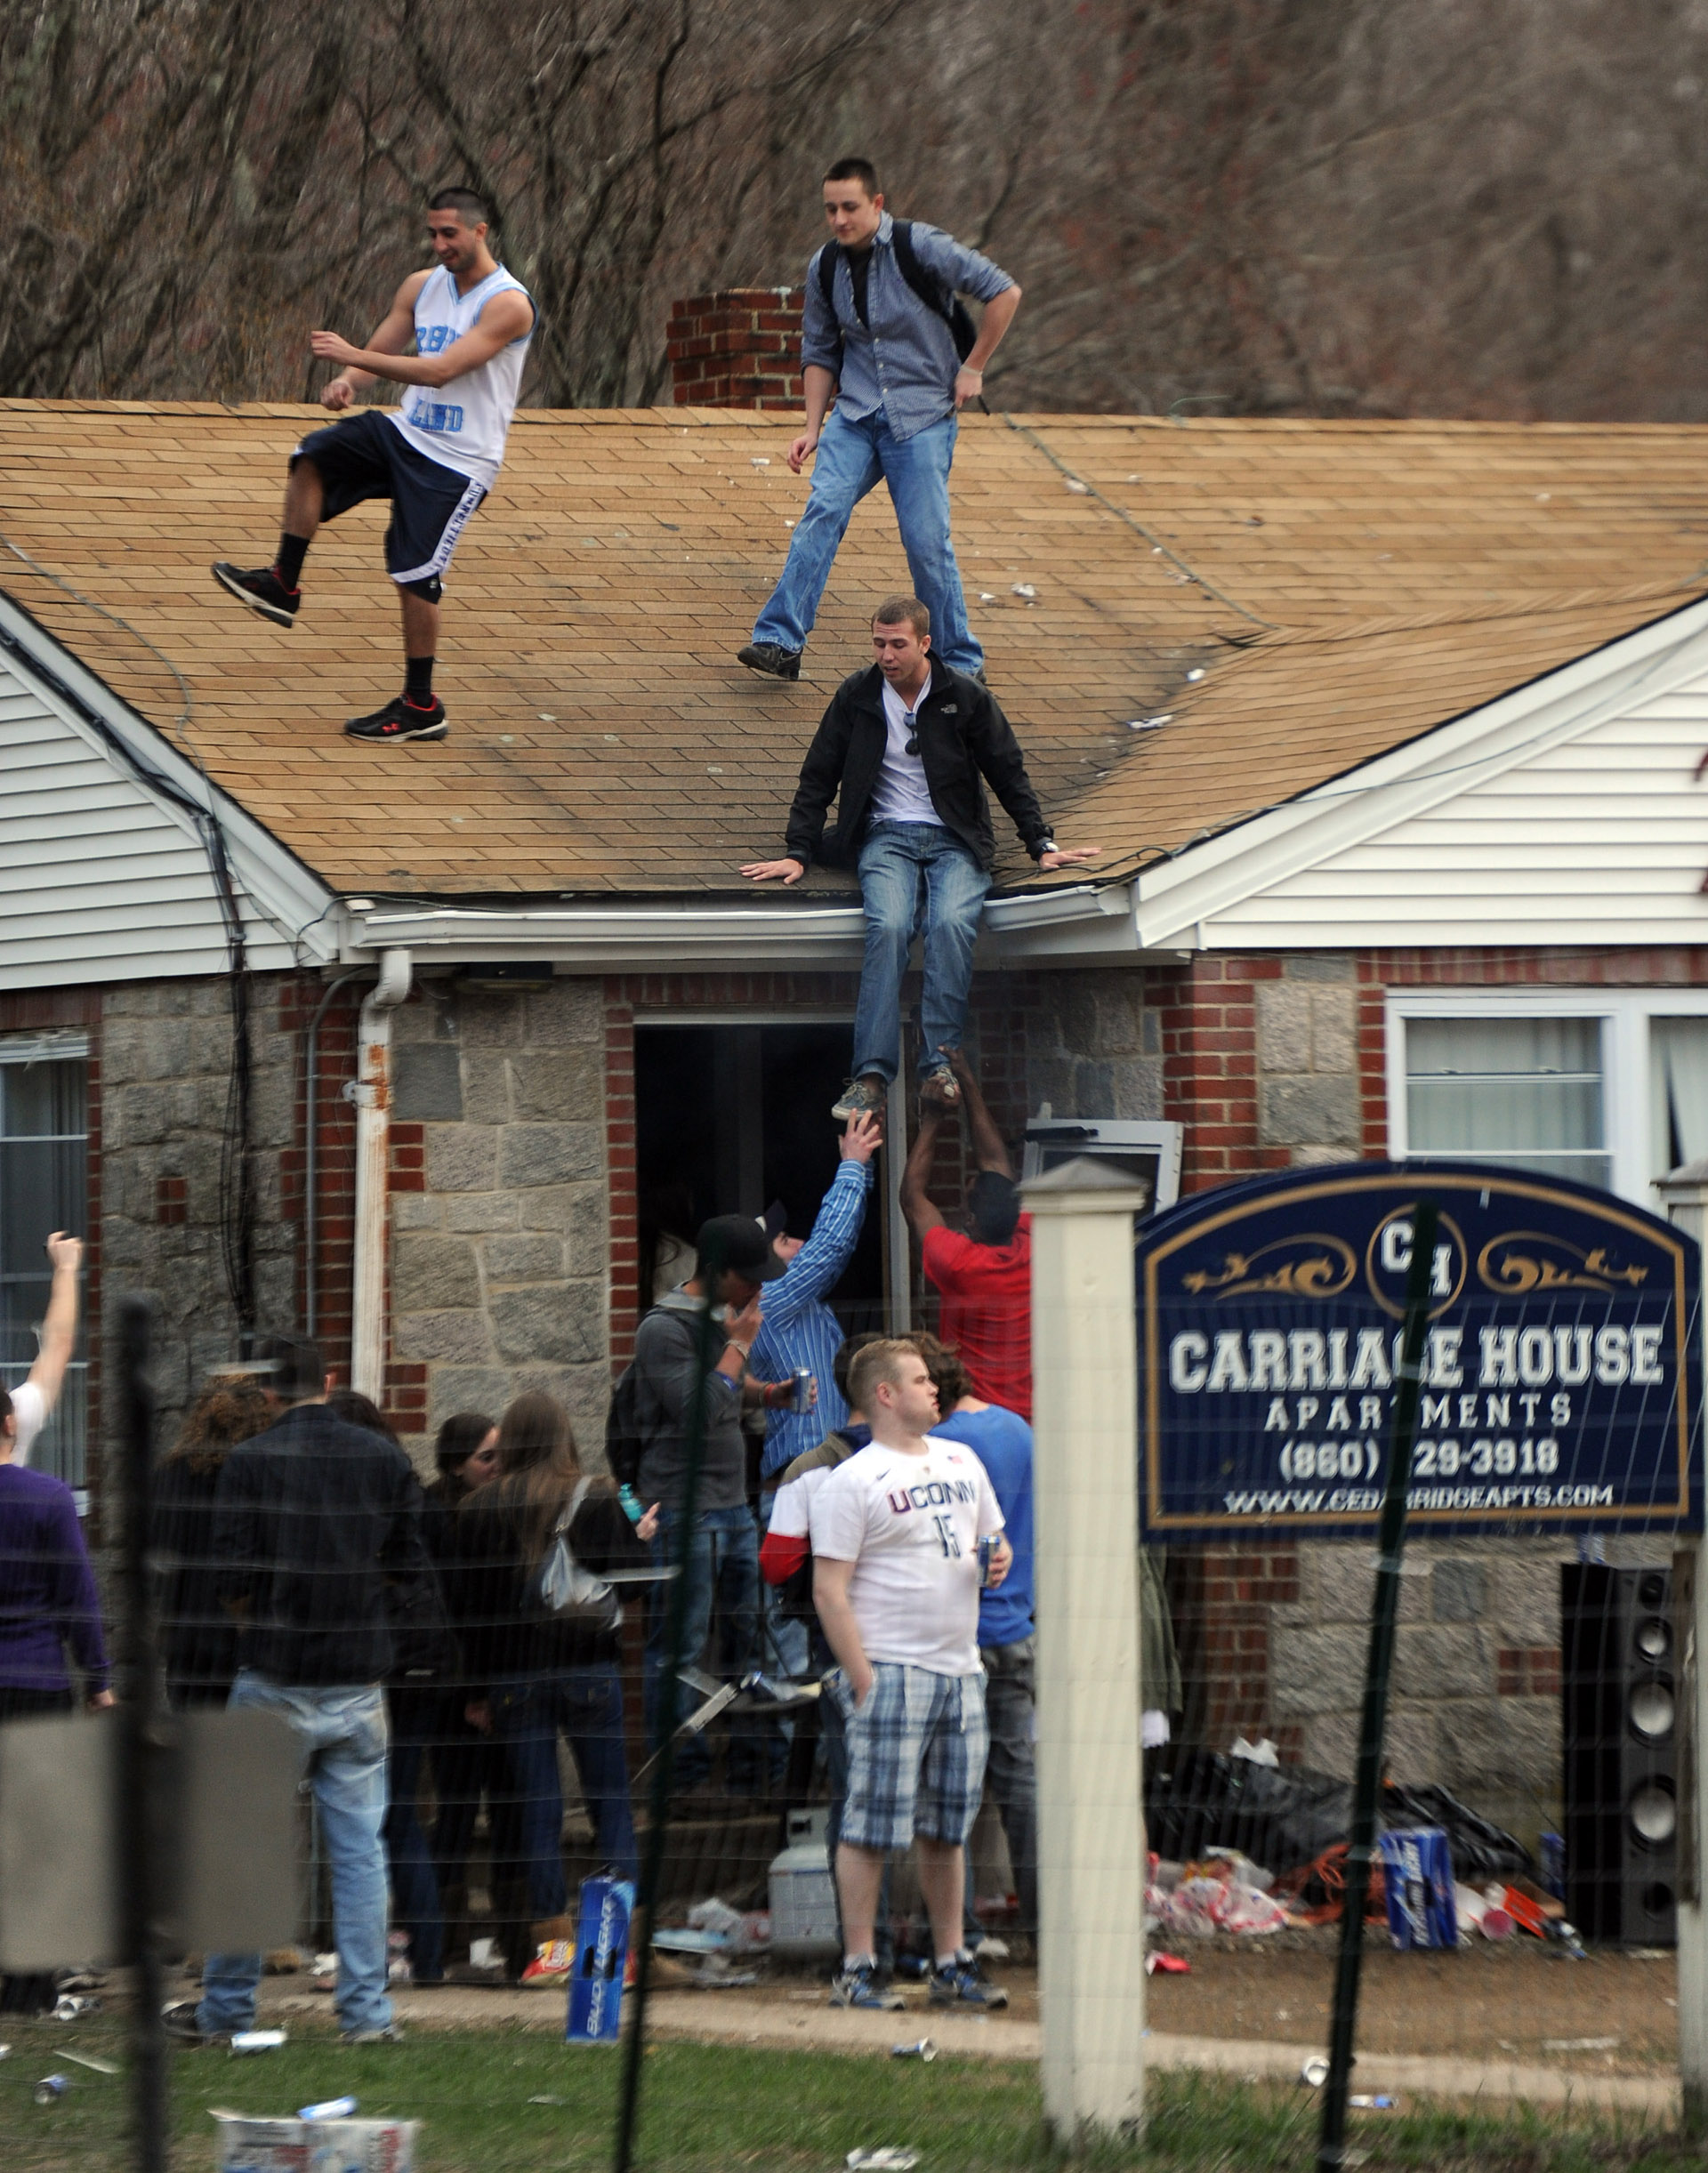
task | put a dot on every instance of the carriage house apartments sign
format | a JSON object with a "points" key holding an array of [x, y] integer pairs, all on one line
{"points": [[1562, 1375]]}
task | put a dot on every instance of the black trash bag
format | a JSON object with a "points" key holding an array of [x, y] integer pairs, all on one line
{"points": [[1481, 1851], [1281, 1817]]}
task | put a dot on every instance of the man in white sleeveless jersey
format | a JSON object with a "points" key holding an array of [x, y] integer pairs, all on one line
{"points": [[435, 458]]}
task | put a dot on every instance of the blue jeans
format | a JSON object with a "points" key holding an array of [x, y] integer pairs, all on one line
{"points": [[852, 459], [586, 1703], [915, 876], [341, 1728], [417, 1717], [721, 1633]]}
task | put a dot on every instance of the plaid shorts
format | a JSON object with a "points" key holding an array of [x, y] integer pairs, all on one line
{"points": [[916, 1755]]}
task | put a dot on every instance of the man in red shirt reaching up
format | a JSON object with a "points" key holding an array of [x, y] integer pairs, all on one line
{"points": [[985, 1277]]}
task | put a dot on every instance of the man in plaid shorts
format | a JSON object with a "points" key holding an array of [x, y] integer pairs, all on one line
{"points": [[896, 1581]]}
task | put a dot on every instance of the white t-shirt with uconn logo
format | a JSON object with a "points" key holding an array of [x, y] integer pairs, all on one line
{"points": [[911, 1526]]}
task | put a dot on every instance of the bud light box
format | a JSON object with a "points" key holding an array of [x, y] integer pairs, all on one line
{"points": [[1417, 1871], [601, 1957]]}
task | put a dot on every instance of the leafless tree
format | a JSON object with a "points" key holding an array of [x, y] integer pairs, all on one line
{"points": [[1317, 206]]}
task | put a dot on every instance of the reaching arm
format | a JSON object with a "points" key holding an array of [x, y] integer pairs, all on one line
{"points": [[60, 1322], [836, 1611], [391, 336], [988, 1151], [921, 1216], [820, 390], [507, 317]]}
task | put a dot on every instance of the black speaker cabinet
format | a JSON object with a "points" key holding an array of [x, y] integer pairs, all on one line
{"points": [[1619, 1681]]}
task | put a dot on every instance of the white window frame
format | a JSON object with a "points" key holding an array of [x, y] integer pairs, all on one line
{"points": [[61, 1045], [1625, 1016]]}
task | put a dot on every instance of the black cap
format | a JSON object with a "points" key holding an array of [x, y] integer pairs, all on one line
{"points": [[775, 1220], [738, 1244]]}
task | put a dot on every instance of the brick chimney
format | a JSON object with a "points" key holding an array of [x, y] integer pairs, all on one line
{"points": [[740, 348]]}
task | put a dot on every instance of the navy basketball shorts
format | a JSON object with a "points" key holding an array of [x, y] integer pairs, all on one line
{"points": [[366, 457]]}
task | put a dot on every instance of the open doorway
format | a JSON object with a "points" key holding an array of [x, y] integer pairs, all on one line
{"points": [[728, 1118]]}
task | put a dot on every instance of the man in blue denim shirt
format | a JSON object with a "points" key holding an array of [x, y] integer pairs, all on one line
{"points": [[890, 360]]}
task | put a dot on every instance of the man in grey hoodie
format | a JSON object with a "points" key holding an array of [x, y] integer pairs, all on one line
{"points": [[722, 1567]]}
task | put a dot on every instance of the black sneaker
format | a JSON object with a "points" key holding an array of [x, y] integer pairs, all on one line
{"points": [[181, 2021], [399, 720], [766, 657], [261, 589]]}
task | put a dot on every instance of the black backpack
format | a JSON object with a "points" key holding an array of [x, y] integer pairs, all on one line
{"points": [[938, 298], [623, 1446]]}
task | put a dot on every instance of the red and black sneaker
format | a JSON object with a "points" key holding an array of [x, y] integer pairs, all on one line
{"points": [[400, 719], [261, 589]]}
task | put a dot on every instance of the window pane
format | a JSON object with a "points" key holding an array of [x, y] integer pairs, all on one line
{"points": [[1678, 1087], [1526, 1091], [44, 1186]]}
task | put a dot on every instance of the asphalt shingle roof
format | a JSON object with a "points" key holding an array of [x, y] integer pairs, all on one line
{"points": [[1296, 597]]}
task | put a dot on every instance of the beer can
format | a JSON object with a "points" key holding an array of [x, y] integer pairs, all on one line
{"points": [[328, 2109], [800, 1396], [924, 2050], [987, 1548], [70, 2007], [50, 2089], [1314, 2073], [256, 2040]]}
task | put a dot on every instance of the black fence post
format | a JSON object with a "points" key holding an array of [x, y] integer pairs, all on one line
{"points": [[1385, 1609], [139, 1721], [711, 1341]]}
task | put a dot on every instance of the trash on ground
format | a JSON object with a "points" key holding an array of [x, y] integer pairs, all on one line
{"points": [[680, 1939], [1314, 2073], [1024, 589], [256, 2040], [1203, 1906], [483, 1954], [891, 2161], [746, 1931], [1372, 2105], [551, 1966], [1168, 1965], [923, 2050], [6, 2051], [1523, 1908], [249, 2145], [328, 2109], [50, 2089], [74, 2006], [111, 2067], [1579, 2044], [715, 1973], [545, 2098], [1266, 1751], [1417, 1882]]}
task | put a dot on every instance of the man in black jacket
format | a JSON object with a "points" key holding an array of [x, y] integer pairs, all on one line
{"points": [[313, 1519], [904, 749]]}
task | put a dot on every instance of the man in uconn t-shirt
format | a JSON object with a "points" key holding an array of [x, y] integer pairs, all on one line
{"points": [[896, 1582]]}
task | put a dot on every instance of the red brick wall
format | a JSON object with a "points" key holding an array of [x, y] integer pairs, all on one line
{"points": [[1209, 1022], [739, 348]]}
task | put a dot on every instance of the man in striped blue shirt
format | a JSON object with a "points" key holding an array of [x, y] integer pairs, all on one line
{"points": [[800, 1329]]}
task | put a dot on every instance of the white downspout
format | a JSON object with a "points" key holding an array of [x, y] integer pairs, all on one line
{"points": [[371, 1095]]}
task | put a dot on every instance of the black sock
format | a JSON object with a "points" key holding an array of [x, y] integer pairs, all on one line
{"points": [[418, 681], [288, 565]]}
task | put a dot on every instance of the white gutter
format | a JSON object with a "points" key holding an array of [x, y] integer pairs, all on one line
{"points": [[591, 937], [372, 1094]]}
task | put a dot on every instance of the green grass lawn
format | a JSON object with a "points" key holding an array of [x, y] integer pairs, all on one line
{"points": [[709, 2109]]}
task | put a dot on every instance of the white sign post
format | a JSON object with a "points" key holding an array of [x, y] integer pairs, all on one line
{"points": [[1685, 1195], [1085, 1488]]}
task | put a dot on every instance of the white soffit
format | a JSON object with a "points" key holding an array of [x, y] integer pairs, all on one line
{"points": [[1566, 812]]}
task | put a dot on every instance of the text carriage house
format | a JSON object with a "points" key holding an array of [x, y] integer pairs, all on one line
{"points": [[1390, 733]]}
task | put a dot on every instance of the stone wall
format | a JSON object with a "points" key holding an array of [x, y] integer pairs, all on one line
{"points": [[1307, 1060], [166, 1057], [499, 1267]]}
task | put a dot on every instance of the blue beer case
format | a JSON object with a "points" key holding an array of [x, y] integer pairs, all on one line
{"points": [[601, 1957], [1417, 1874]]}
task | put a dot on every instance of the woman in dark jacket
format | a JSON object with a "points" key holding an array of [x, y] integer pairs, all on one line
{"points": [[541, 1677], [466, 1765], [198, 1636]]}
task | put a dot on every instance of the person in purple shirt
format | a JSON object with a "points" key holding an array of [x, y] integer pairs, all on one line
{"points": [[48, 1601]]}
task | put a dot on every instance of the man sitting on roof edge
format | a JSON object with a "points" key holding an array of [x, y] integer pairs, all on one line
{"points": [[903, 748]]}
